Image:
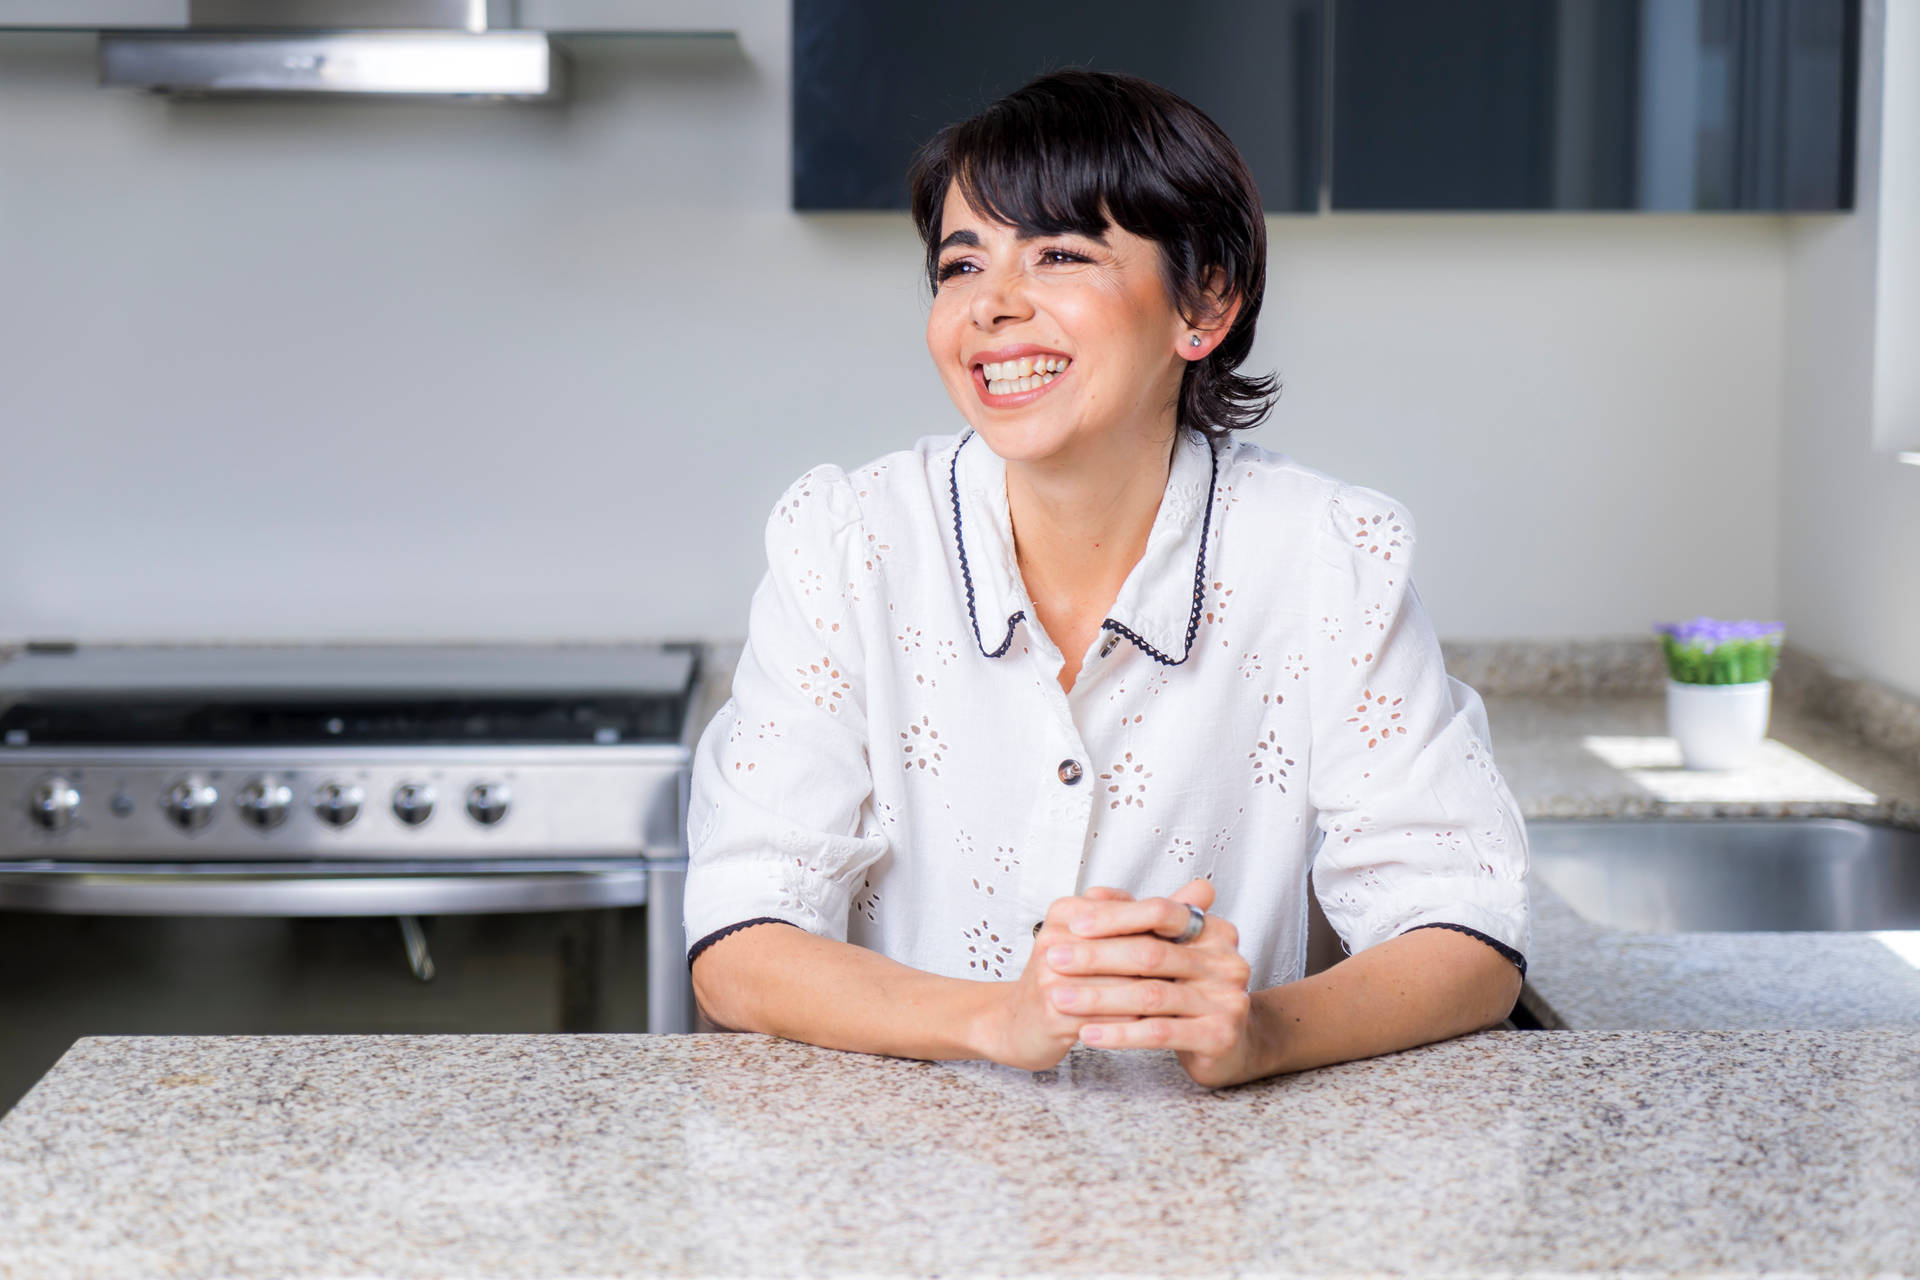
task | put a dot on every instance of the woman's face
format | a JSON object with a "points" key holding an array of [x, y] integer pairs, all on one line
{"points": [[1055, 344]]}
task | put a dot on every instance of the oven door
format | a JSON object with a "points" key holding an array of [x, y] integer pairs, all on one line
{"points": [[330, 948]]}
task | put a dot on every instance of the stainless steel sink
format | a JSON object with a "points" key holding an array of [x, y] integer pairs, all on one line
{"points": [[1731, 875]]}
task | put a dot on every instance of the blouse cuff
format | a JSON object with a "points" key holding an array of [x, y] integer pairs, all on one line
{"points": [[1495, 943], [694, 951]]}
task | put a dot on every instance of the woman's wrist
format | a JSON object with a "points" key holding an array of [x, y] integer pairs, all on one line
{"points": [[985, 1027], [1269, 1035]]}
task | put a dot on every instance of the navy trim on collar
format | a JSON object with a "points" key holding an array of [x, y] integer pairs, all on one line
{"points": [[1107, 624], [966, 574]]}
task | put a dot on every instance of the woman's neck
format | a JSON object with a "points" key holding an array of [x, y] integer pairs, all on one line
{"points": [[1079, 527]]}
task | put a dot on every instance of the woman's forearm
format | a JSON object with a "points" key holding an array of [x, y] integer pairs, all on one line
{"points": [[784, 981], [1423, 986]]}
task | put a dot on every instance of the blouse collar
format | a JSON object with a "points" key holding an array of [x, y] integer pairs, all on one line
{"points": [[1159, 604]]}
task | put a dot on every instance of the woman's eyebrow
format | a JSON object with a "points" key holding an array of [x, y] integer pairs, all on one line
{"points": [[972, 240], [1094, 236]]}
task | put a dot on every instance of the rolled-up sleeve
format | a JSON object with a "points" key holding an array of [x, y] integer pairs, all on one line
{"points": [[781, 773], [1418, 827]]}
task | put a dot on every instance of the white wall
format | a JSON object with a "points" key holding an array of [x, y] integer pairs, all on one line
{"points": [[372, 371], [1896, 235], [1850, 528]]}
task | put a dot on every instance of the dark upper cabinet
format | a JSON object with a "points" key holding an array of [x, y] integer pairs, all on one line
{"points": [[1593, 104], [873, 79]]}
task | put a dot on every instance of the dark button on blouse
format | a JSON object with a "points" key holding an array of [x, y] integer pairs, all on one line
{"points": [[1071, 772]]}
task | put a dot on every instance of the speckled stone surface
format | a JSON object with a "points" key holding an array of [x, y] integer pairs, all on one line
{"points": [[1608, 757], [1630, 665], [1883, 717], [1502, 1153], [1582, 976]]}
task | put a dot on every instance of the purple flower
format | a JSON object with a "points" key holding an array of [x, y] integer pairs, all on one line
{"points": [[1710, 633]]}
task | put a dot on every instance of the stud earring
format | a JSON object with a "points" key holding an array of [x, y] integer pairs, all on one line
{"points": [[1193, 340]]}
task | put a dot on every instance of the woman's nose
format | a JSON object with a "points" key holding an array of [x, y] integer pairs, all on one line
{"points": [[1000, 297]]}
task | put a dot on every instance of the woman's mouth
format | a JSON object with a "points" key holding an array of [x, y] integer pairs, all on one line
{"points": [[1003, 383]]}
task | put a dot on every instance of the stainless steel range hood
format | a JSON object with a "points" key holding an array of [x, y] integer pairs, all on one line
{"points": [[388, 48]]}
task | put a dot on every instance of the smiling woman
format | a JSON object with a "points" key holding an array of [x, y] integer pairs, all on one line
{"points": [[1045, 165], [1042, 729]]}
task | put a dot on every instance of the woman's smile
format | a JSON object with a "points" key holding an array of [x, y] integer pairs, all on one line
{"points": [[1009, 377]]}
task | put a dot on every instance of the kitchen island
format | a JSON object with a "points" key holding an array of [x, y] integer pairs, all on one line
{"points": [[1504, 1152]]}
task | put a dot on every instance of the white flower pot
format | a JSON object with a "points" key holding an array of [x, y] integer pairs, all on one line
{"points": [[1718, 726]]}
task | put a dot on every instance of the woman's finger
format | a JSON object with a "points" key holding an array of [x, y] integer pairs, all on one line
{"points": [[1212, 1034], [1094, 902], [1198, 891], [1163, 916], [1145, 997], [1136, 955], [1149, 955]]}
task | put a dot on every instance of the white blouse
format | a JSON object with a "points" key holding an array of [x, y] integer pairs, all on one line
{"points": [[899, 768]]}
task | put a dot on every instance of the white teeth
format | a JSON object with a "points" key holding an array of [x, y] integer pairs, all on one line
{"points": [[1024, 367], [1011, 377]]}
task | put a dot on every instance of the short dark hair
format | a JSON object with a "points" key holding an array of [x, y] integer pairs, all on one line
{"points": [[1078, 150]]}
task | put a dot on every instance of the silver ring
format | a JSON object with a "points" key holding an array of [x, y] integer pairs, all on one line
{"points": [[1196, 921]]}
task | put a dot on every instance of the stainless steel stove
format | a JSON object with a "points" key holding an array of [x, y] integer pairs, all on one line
{"points": [[352, 781]]}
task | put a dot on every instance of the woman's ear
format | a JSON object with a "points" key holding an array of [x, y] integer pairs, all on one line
{"points": [[1219, 309]]}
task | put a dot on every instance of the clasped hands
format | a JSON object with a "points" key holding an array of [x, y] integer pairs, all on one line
{"points": [[1105, 971]]}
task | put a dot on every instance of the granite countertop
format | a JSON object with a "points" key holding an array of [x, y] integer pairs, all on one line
{"points": [[1519, 1153], [1571, 756], [1609, 756]]}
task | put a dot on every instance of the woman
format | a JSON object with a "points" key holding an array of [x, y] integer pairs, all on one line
{"points": [[1036, 724]]}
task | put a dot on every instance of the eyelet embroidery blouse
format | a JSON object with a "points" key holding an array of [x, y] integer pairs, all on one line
{"points": [[1265, 705]]}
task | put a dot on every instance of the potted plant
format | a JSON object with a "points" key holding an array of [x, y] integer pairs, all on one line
{"points": [[1719, 688]]}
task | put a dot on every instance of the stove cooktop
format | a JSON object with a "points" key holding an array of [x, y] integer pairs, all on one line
{"points": [[345, 752], [345, 696]]}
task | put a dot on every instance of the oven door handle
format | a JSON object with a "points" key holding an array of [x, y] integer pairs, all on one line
{"points": [[320, 889]]}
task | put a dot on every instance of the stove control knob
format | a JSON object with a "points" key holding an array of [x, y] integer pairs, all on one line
{"points": [[264, 803], [53, 804], [413, 803], [487, 802], [338, 803], [189, 803]]}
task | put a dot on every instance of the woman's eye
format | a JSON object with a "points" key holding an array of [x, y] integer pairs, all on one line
{"points": [[950, 269], [1055, 256]]}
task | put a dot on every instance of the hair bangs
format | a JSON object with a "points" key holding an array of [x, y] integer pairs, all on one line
{"points": [[1030, 174]]}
